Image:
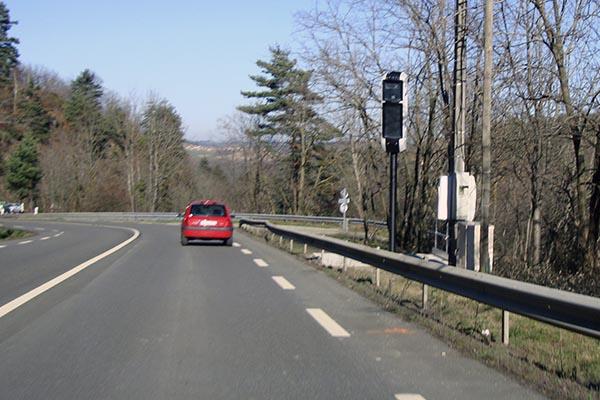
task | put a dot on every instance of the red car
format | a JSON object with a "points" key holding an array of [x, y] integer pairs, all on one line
{"points": [[207, 220]]}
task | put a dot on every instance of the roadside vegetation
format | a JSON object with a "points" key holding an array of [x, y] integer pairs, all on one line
{"points": [[11, 233]]}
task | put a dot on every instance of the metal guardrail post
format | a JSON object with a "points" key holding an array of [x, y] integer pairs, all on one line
{"points": [[424, 297], [305, 248], [505, 327], [292, 246]]}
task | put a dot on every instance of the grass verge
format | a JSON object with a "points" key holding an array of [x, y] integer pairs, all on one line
{"points": [[11, 233], [556, 362]]}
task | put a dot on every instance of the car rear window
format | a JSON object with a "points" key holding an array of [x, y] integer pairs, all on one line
{"points": [[215, 210]]}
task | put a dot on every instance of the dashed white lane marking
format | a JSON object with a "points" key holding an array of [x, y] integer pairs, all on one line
{"points": [[409, 396], [58, 234], [25, 242], [332, 327], [246, 251], [260, 262], [19, 301], [283, 283], [45, 238], [236, 244], [2, 246]]}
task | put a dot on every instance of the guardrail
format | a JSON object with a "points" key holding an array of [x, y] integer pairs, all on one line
{"points": [[106, 216], [308, 218], [142, 216], [566, 310]]}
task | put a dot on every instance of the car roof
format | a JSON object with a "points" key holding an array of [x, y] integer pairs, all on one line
{"points": [[206, 202]]}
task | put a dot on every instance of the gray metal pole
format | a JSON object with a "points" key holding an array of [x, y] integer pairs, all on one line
{"points": [[392, 200], [486, 136], [456, 161]]}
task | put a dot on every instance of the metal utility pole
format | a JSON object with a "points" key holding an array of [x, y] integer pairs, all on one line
{"points": [[486, 134], [456, 159], [392, 199]]}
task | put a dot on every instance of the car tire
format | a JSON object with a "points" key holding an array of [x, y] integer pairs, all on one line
{"points": [[184, 240], [228, 242]]}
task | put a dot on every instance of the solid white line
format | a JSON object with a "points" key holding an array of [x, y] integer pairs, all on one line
{"points": [[260, 262], [45, 238], [283, 283], [236, 244], [327, 322], [25, 242], [409, 396], [19, 301], [246, 251]]}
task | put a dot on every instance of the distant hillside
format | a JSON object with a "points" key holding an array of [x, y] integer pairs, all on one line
{"points": [[213, 150]]}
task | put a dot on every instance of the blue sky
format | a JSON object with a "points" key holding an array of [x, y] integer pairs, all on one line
{"points": [[197, 54]]}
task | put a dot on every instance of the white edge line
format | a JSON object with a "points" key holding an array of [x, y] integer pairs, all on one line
{"points": [[19, 301], [408, 396], [283, 283], [328, 323], [260, 262]]}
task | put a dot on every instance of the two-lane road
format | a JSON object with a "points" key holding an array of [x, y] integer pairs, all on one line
{"points": [[159, 321]]}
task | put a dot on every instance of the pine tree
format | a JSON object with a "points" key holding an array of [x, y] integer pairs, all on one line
{"points": [[23, 172], [83, 112], [31, 115], [286, 109], [9, 55]]}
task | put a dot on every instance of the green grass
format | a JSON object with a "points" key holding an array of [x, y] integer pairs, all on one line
{"points": [[558, 363], [10, 233]]}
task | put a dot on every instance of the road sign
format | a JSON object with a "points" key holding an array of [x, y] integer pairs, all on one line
{"points": [[343, 202]]}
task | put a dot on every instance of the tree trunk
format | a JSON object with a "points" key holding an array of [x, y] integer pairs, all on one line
{"points": [[594, 222]]}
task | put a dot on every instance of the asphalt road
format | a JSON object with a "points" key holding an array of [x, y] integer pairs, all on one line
{"points": [[156, 320]]}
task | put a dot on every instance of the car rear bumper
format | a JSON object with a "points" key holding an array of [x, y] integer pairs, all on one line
{"points": [[200, 232]]}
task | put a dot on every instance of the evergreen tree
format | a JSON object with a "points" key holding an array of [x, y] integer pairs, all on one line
{"points": [[286, 109], [9, 55], [23, 172], [31, 115], [83, 112]]}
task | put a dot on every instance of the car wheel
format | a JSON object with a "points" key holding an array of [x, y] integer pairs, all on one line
{"points": [[228, 242], [184, 240]]}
